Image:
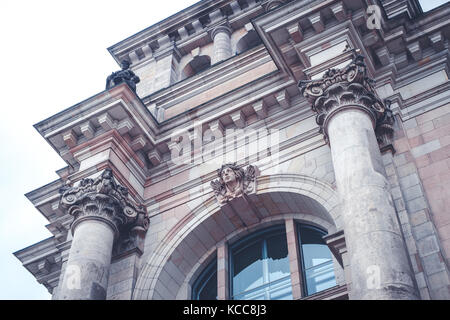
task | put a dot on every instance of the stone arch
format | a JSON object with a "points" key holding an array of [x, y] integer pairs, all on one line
{"points": [[250, 40], [181, 254], [194, 66]]}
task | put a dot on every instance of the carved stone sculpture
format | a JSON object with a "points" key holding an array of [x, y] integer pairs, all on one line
{"points": [[385, 126], [103, 199], [124, 75], [349, 87], [233, 182]]}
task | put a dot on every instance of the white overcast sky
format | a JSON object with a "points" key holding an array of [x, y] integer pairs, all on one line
{"points": [[53, 55]]}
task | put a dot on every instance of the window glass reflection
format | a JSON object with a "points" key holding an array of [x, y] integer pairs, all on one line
{"points": [[260, 267], [248, 268], [317, 260], [277, 257]]}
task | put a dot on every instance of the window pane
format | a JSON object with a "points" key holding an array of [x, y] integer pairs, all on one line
{"points": [[317, 261], [205, 287], [315, 251], [255, 294], [320, 278], [260, 269], [281, 289], [277, 255], [248, 269], [315, 254], [209, 291]]}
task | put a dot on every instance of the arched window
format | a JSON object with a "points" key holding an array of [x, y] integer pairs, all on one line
{"points": [[196, 65], [205, 288], [250, 40], [259, 266]]}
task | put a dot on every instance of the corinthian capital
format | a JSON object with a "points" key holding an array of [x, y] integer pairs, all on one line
{"points": [[346, 88], [104, 199], [224, 27]]}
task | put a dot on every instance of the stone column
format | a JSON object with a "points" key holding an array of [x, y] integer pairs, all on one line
{"points": [[222, 43], [349, 114], [102, 211]]}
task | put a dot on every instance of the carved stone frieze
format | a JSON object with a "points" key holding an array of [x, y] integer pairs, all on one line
{"points": [[104, 199], [349, 87], [234, 182]]}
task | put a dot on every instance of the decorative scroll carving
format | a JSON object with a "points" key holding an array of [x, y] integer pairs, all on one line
{"points": [[233, 182], [124, 75], [346, 88], [103, 199]]}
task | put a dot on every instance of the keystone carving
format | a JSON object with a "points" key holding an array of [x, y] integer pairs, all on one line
{"points": [[124, 75], [234, 182], [104, 199], [345, 88]]}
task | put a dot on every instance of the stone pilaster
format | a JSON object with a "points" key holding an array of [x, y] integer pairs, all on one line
{"points": [[167, 60], [102, 211], [221, 36], [349, 114]]}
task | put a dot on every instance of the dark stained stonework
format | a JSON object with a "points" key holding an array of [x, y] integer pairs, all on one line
{"points": [[121, 76]]}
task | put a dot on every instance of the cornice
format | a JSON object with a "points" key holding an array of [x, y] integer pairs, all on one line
{"points": [[181, 28], [43, 261], [119, 95]]}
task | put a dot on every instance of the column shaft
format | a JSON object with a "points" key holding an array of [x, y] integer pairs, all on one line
{"points": [[87, 271], [99, 207], [379, 264], [222, 44]]}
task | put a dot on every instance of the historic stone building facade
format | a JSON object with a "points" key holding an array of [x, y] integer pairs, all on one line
{"points": [[258, 150]]}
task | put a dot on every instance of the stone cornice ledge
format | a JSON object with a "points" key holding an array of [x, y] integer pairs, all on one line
{"points": [[161, 27]]}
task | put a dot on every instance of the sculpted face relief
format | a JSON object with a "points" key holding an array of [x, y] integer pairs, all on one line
{"points": [[233, 182]]}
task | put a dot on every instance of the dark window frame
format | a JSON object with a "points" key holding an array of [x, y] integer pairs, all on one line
{"points": [[203, 278]]}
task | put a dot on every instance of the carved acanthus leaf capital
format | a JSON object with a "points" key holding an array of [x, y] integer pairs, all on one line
{"points": [[349, 87], [234, 182], [104, 199]]}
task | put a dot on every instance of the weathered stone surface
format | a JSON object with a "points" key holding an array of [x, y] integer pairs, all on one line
{"points": [[87, 270], [222, 43], [373, 237], [102, 212], [349, 113]]}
